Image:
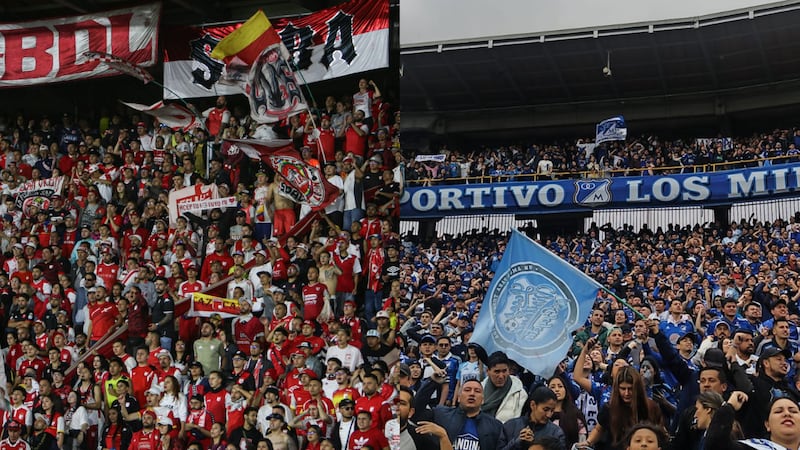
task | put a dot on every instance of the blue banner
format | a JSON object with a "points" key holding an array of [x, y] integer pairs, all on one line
{"points": [[559, 196], [534, 303], [612, 129]]}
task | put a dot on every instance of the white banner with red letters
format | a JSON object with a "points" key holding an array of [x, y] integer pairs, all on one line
{"points": [[38, 193], [46, 51], [342, 40], [202, 205], [191, 194]]}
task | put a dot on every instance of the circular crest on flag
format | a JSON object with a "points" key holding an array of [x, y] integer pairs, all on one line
{"points": [[533, 309], [304, 178]]}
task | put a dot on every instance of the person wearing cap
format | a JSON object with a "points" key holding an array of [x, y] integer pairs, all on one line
{"points": [[272, 403], [148, 436], [40, 438], [197, 427], [277, 432], [779, 309], [345, 425], [373, 348], [240, 280], [14, 440], [772, 382]]}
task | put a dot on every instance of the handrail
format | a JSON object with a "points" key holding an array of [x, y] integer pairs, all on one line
{"points": [[586, 174]]}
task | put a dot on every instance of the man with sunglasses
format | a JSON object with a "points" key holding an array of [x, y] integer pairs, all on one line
{"points": [[345, 425]]}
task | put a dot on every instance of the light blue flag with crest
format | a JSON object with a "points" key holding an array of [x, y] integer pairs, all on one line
{"points": [[535, 301]]}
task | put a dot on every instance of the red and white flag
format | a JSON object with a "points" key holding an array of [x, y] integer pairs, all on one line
{"points": [[120, 65], [173, 115], [342, 40], [300, 182]]}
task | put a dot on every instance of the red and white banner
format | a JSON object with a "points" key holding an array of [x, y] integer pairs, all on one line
{"points": [[191, 194], [300, 181], [51, 50], [203, 305], [174, 115], [38, 193], [343, 40], [203, 205]]}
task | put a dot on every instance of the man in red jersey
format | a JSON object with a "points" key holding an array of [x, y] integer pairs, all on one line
{"points": [[246, 327], [367, 434], [372, 402], [148, 438], [219, 255], [14, 440], [198, 424], [102, 315], [216, 397], [142, 376], [315, 294]]}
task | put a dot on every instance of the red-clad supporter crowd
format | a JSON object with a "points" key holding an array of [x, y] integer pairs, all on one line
{"points": [[102, 350]]}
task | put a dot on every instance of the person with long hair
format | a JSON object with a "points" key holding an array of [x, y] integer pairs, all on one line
{"points": [[76, 421], [518, 433], [566, 415], [116, 433], [218, 436], [174, 399], [628, 406], [51, 410], [783, 425]]}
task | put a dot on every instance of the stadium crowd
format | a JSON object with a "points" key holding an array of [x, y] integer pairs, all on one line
{"points": [[305, 364], [647, 155], [692, 345]]}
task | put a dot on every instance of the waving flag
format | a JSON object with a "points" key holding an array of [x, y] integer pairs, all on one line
{"points": [[612, 129], [256, 59], [300, 181], [342, 40], [534, 303], [175, 116]]}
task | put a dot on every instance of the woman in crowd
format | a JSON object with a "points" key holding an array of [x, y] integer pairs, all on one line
{"points": [[76, 421], [783, 425], [628, 406], [566, 414], [174, 399], [217, 437]]}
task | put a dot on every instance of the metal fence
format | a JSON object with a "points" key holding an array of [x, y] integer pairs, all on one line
{"points": [[653, 217]]}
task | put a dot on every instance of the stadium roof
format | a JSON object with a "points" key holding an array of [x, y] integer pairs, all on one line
{"points": [[566, 68], [708, 65]]}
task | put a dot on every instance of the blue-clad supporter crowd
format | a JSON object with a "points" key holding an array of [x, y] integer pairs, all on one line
{"points": [[305, 361], [693, 344], [647, 155]]}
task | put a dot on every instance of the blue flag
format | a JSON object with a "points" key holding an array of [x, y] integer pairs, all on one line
{"points": [[535, 301], [613, 129]]}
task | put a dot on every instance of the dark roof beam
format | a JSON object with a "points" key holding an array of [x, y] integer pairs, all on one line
{"points": [[659, 66], [765, 64], [557, 72], [707, 58]]}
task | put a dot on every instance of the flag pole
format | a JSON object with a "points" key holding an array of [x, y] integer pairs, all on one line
{"points": [[308, 108], [641, 316]]}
